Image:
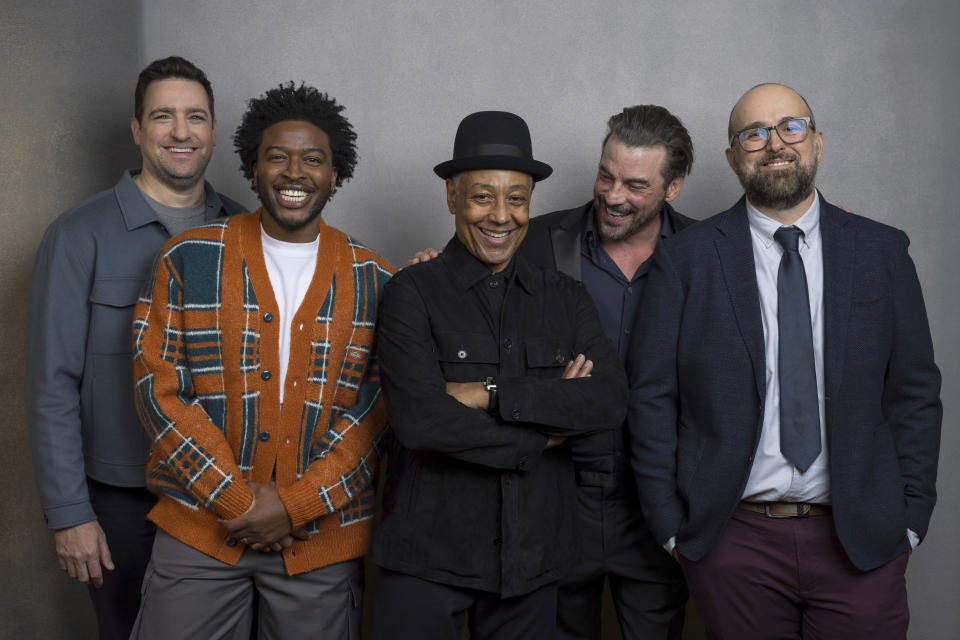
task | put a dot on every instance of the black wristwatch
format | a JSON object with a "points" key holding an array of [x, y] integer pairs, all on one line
{"points": [[491, 388]]}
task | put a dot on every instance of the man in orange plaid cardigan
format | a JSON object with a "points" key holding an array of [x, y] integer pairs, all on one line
{"points": [[257, 381]]}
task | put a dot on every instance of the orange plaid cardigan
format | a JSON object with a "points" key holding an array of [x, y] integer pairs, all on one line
{"points": [[206, 344]]}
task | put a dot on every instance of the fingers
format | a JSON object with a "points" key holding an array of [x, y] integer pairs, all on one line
{"points": [[92, 569], [554, 441], [423, 256], [579, 367], [105, 558], [301, 534]]}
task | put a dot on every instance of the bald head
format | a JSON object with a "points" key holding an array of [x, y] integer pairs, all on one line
{"points": [[767, 103]]}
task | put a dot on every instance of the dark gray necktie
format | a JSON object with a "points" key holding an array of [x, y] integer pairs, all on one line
{"points": [[799, 409]]}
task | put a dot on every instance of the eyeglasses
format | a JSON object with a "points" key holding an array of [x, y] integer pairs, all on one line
{"points": [[790, 130]]}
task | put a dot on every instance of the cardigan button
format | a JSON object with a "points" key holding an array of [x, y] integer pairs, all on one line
{"points": [[462, 354], [264, 435], [516, 414], [266, 375], [268, 317], [231, 541]]}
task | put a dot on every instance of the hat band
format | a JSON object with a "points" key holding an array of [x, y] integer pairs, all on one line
{"points": [[494, 150]]}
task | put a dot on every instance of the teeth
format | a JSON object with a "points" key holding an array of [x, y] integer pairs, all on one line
{"points": [[494, 234], [181, 149], [294, 194]]}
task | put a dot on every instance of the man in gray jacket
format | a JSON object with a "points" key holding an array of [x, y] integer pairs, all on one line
{"points": [[89, 451]]}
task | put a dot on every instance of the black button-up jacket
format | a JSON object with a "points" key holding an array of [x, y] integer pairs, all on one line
{"points": [[473, 499]]}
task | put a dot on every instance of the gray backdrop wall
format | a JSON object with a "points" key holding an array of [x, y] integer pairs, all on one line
{"points": [[878, 74]]}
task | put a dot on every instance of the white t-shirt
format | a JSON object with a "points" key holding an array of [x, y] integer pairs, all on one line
{"points": [[290, 266]]}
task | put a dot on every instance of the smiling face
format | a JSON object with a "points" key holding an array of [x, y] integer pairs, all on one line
{"points": [[176, 133], [779, 177], [630, 189], [294, 177], [492, 209]]}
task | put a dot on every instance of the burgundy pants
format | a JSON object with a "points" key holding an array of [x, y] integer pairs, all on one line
{"points": [[789, 578]]}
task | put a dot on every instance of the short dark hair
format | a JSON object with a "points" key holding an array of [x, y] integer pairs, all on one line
{"points": [[650, 125], [172, 67], [290, 102]]}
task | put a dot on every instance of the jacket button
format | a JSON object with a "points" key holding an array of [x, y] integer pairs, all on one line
{"points": [[231, 541], [268, 317], [523, 463], [461, 354], [507, 344], [264, 435], [516, 414], [266, 375], [558, 358]]}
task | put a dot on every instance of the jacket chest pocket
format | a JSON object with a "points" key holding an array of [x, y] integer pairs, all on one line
{"points": [[467, 357], [547, 356], [112, 301]]}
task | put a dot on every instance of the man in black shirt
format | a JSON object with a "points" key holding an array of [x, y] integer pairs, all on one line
{"points": [[488, 365]]}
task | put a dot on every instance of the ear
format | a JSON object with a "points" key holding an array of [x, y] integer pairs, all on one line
{"points": [[730, 161], [673, 189], [451, 196], [333, 180], [213, 134], [135, 130], [253, 180], [818, 143]]}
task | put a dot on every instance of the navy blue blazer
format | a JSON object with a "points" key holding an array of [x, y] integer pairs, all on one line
{"points": [[698, 384]]}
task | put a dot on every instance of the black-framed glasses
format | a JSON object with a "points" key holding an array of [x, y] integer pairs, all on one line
{"points": [[790, 130]]}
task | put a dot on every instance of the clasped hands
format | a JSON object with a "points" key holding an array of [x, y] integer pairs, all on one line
{"points": [[265, 525], [475, 395]]}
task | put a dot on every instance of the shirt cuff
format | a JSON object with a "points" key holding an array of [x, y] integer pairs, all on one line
{"points": [[914, 539]]}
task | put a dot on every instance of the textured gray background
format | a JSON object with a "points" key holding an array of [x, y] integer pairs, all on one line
{"points": [[878, 74]]}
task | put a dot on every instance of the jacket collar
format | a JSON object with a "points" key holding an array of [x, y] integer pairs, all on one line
{"points": [[466, 270]]}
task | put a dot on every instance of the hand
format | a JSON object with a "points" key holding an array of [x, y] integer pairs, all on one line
{"points": [[284, 543], [425, 255], [81, 550], [471, 394], [266, 521], [579, 367], [554, 441]]}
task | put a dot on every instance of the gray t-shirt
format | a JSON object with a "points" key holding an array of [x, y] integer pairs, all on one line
{"points": [[177, 219]]}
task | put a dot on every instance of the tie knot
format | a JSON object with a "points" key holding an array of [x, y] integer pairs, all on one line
{"points": [[789, 238]]}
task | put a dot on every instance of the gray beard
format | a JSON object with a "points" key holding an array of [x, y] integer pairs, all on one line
{"points": [[779, 191]]}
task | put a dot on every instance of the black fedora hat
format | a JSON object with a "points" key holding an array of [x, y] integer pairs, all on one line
{"points": [[493, 140]]}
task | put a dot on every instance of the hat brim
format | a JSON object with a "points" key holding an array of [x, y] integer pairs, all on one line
{"points": [[534, 168]]}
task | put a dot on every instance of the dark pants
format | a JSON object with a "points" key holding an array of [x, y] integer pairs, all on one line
{"points": [[647, 585], [406, 607], [790, 578], [122, 514]]}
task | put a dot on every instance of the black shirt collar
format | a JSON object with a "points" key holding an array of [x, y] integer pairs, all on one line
{"points": [[467, 270]]}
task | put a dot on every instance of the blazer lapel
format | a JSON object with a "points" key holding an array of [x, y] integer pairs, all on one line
{"points": [[837, 236], [735, 251], [565, 238]]}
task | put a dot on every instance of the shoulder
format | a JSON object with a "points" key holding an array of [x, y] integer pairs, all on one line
{"points": [[553, 282], [567, 218], [230, 206], [679, 221], [96, 211], [867, 229]]}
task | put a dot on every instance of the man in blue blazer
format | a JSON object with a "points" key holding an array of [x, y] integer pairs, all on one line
{"points": [[785, 412]]}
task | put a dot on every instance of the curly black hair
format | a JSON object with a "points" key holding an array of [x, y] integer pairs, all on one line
{"points": [[290, 102]]}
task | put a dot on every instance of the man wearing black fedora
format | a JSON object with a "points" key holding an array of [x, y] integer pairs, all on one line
{"points": [[488, 365]]}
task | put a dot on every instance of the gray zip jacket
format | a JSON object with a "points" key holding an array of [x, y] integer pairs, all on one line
{"points": [[87, 276]]}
